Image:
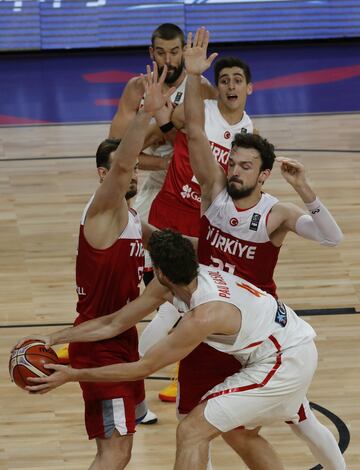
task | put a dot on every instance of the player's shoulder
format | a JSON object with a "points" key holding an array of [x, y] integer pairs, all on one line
{"points": [[208, 90], [135, 86], [283, 210]]}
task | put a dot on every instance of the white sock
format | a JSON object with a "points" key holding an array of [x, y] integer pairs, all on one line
{"points": [[320, 441], [209, 464], [159, 327]]}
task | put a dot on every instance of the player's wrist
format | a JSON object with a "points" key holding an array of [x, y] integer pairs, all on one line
{"points": [[167, 127], [305, 192]]}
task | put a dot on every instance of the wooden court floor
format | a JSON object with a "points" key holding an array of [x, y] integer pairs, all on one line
{"points": [[46, 176]]}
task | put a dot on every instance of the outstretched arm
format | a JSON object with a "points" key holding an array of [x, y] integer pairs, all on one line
{"points": [[209, 174], [190, 332], [108, 326], [116, 183]]}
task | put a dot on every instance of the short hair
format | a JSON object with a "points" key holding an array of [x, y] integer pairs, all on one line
{"points": [[168, 31], [104, 150], [174, 255], [265, 148], [225, 62]]}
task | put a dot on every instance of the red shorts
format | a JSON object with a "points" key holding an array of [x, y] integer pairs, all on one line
{"points": [[200, 371], [121, 349], [103, 417], [167, 213]]}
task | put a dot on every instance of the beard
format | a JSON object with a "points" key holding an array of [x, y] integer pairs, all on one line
{"points": [[132, 191], [173, 73], [239, 193]]}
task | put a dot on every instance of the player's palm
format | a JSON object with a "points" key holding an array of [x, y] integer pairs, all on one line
{"points": [[196, 60], [155, 96]]}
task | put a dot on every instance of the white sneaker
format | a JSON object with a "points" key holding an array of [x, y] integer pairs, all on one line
{"points": [[149, 418]]}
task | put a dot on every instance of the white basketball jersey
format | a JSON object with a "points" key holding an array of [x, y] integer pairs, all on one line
{"points": [[262, 316], [220, 133]]}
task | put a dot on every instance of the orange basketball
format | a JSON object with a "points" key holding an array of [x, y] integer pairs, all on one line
{"points": [[29, 360]]}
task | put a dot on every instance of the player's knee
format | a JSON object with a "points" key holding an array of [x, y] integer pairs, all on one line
{"points": [[114, 453], [113, 460], [240, 437], [187, 433]]}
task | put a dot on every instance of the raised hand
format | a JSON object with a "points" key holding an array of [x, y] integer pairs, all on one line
{"points": [[155, 96], [292, 170], [195, 53], [60, 376]]}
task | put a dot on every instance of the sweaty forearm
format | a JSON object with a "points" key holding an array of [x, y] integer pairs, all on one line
{"points": [[114, 373], [91, 330]]}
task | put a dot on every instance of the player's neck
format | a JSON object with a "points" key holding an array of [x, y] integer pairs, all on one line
{"points": [[231, 116], [247, 202], [179, 81]]}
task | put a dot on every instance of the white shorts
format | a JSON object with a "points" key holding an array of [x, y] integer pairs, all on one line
{"points": [[267, 390]]}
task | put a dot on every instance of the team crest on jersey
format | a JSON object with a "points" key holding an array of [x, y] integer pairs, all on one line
{"points": [[281, 315], [234, 222], [243, 130], [227, 135], [254, 224]]}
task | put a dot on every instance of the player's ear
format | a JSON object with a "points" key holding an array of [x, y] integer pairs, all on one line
{"points": [[151, 52], [249, 88], [264, 175], [102, 173]]}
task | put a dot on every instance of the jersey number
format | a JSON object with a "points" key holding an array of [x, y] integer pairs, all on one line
{"points": [[251, 289], [219, 264]]}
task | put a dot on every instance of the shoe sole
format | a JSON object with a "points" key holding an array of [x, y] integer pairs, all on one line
{"points": [[151, 421], [167, 399]]}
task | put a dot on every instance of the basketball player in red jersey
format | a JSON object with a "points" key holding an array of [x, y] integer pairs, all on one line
{"points": [[177, 205], [109, 268], [242, 230]]}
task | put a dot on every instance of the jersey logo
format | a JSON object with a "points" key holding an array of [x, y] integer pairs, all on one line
{"points": [[188, 193], [254, 224], [281, 315], [227, 135], [178, 97], [234, 222], [243, 130]]}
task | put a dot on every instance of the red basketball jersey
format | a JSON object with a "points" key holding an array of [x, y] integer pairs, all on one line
{"points": [[106, 281], [181, 191], [238, 242]]}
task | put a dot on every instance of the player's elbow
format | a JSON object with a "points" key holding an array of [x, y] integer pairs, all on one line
{"points": [[195, 132], [334, 241]]}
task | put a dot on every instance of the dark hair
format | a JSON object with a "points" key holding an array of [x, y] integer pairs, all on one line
{"points": [[265, 148], [104, 150], [231, 62], [168, 31], [174, 255]]}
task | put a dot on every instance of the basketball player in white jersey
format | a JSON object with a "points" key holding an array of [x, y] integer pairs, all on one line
{"points": [[274, 348], [243, 228]]}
